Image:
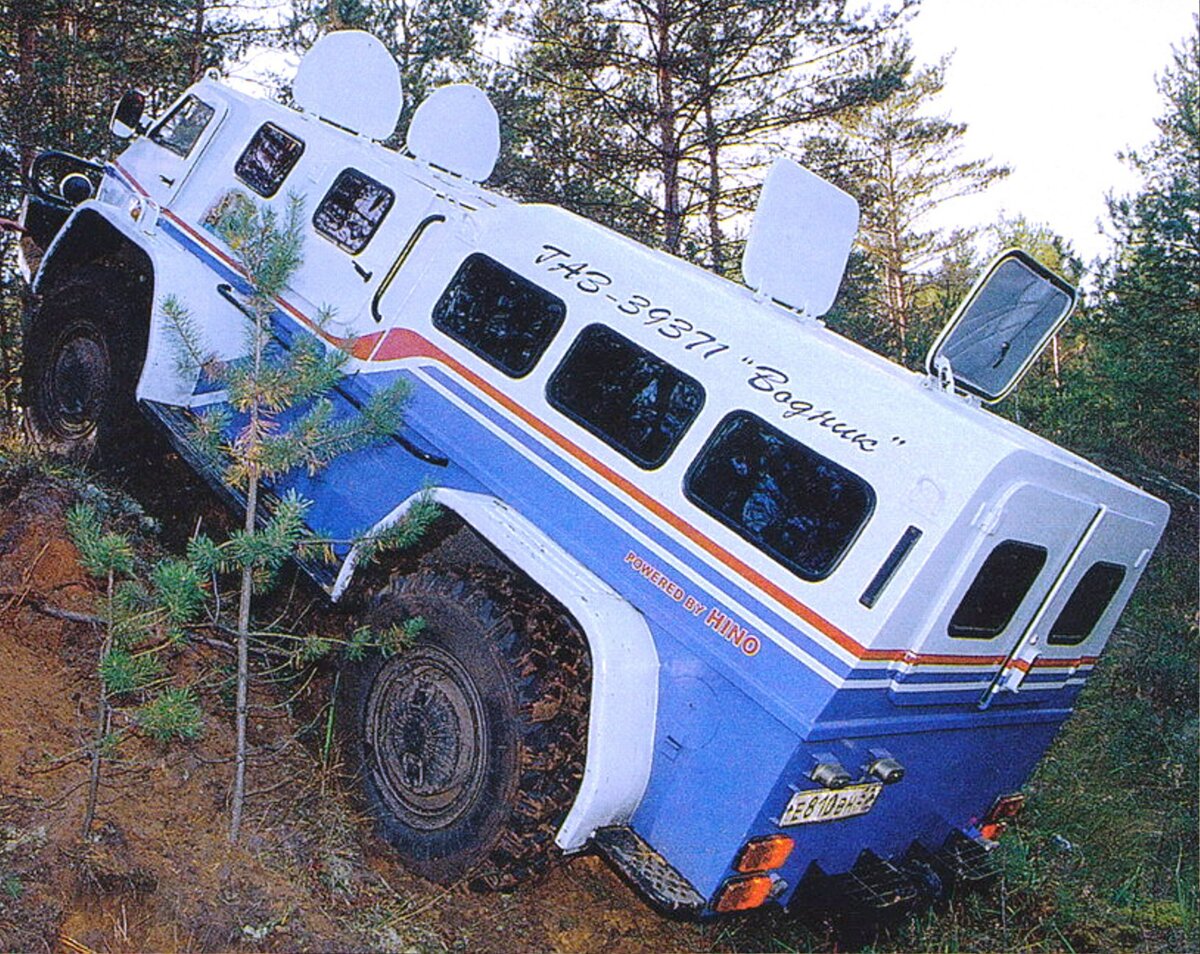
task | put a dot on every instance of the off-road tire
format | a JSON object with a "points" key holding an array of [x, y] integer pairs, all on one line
{"points": [[469, 745], [84, 347]]}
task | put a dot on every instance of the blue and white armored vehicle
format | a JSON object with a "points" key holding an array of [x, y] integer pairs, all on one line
{"points": [[742, 605]]}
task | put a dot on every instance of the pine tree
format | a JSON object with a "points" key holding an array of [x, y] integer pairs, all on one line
{"points": [[277, 418], [672, 102], [905, 164], [1146, 330], [140, 624]]}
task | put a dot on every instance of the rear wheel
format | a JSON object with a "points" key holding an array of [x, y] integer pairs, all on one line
{"points": [[80, 367], [470, 743]]}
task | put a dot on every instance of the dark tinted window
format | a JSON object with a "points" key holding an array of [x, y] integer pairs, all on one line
{"points": [[997, 590], [267, 159], [1087, 604], [625, 395], [183, 127], [501, 316], [352, 210], [789, 501]]}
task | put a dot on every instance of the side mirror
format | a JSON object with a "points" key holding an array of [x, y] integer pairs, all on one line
{"points": [[999, 330], [127, 116]]}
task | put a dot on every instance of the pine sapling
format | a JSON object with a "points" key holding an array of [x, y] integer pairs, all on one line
{"points": [[103, 555], [277, 418], [140, 622]]}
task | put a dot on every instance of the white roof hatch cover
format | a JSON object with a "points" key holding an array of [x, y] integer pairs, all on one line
{"points": [[350, 79], [456, 128], [800, 239]]}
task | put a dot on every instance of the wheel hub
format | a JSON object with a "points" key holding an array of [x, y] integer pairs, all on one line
{"points": [[77, 383], [425, 737]]}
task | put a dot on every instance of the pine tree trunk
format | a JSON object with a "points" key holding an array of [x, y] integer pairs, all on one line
{"points": [[27, 41], [716, 241], [244, 600], [243, 673], [197, 64], [668, 137], [895, 279], [103, 720]]}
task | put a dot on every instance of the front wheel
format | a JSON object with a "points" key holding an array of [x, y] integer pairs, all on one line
{"points": [[470, 743], [80, 368]]}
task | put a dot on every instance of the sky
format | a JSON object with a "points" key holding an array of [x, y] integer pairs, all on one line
{"points": [[1054, 89]]}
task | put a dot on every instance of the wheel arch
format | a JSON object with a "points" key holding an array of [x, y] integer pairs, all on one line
{"points": [[624, 693], [88, 237]]}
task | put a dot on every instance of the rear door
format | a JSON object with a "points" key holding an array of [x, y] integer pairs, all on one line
{"points": [[1073, 624], [1024, 544]]}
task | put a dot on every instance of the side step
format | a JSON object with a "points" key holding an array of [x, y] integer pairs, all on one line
{"points": [[648, 870]]}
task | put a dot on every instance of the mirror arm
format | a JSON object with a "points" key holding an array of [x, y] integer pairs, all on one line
{"points": [[944, 373]]}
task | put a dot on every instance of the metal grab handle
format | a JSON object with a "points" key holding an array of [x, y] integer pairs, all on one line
{"points": [[400, 260], [226, 291]]}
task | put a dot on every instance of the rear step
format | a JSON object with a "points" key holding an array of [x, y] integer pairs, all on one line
{"points": [[881, 889], [648, 870], [965, 861], [876, 885]]}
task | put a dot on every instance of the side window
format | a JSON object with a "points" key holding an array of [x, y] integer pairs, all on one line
{"points": [[183, 126], [789, 501], [997, 590], [1086, 604], [503, 317], [267, 159], [626, 396], [352, 210]]}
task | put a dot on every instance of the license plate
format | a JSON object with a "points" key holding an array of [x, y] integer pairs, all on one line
{"points": [[824, 804]]}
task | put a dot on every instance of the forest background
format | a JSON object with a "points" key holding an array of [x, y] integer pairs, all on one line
{"points": [[659, 118]]}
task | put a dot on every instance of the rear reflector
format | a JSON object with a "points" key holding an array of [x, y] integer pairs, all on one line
{"points": [[742, 894], [765, 854]]}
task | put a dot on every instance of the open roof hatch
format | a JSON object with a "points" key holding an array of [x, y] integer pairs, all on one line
{"points": [[349, 79], [1001, 327], [800, 239], [456, 129]]}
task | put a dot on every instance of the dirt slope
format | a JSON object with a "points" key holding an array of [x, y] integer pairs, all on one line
{"points": [[158, 872]]}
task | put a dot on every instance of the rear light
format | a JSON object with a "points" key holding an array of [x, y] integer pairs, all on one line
{"points": [[765, 854], [1005, 808], [742, 894]]}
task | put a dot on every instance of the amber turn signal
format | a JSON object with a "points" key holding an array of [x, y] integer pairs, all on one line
{"points": [[765, 854], [742, 894]]}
